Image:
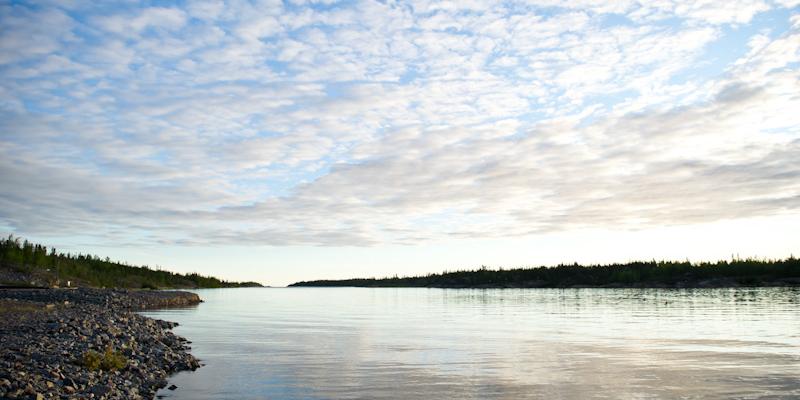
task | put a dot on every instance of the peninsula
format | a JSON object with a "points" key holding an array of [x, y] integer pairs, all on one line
{"points": [[70, 327], [26, 264]]}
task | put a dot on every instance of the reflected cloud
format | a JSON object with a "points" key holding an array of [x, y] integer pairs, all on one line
{"points": [[353, 343]]}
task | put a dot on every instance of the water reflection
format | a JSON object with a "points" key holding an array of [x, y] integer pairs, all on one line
{"points": [[487, 343]]}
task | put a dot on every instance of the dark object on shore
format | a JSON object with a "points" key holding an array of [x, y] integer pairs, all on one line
{"points": [[86, 343], [27, 264], [653, 274]]}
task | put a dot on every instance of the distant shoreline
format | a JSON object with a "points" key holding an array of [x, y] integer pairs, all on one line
{"points": [[653, 274], [698, 285]]}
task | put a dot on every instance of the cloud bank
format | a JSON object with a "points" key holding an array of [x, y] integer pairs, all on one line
{"points": [[359, 122]]}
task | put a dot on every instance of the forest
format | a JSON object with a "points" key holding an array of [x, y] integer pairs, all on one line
{"points": [[736, 272], [23, 263]]}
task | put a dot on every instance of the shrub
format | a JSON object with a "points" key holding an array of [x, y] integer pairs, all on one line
{"points": [[113, 360], [109, 360], [92, 360]]}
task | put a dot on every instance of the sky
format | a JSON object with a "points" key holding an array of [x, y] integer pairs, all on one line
{"points": [[284, 141]]}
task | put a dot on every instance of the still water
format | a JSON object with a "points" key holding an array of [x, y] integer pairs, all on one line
{"points": [[358, 343]]}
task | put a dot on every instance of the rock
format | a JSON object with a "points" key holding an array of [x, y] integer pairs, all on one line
{"points": [[172, 387], [101, 390], [42, 353]]}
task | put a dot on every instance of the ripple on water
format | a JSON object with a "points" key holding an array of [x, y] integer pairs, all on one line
{"points": [[354, 343]]}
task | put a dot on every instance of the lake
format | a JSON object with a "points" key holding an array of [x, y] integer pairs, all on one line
{"points": [[412, 343]]}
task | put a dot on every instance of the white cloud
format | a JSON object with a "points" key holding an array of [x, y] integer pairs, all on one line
{"points": [[26, 34], [205, 9], [364, 123], [160, 18]]}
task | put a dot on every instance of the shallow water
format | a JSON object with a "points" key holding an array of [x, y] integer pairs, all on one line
{"points": [[359, 343]]}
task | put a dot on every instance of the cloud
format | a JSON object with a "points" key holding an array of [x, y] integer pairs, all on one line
{"points": [[27, 33], [287, 124], [148, 18]]}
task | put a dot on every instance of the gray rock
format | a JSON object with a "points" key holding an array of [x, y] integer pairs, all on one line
{"points": [[42, 353]]}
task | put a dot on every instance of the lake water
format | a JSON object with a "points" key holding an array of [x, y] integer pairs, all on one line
{"points": [[358, 343]]}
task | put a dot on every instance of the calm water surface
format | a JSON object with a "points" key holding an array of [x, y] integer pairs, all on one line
{"points": [[355, 343]]}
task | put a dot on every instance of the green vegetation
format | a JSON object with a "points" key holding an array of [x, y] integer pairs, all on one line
{"points": [[736, 272], [22, 262], [109, 360]]}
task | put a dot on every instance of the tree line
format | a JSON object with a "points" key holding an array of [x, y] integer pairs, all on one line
{"points": [[736, 272], [39, 263]]}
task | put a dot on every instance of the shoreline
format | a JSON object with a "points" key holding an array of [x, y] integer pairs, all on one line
{"points": [[709, 284], [633, 274], [50, 338], [722, 283]]}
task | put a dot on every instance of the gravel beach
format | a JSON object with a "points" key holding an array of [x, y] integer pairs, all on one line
{"points": [[88, 343]]}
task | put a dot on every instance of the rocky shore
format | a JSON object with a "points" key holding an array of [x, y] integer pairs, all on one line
{"points": [[88, 343]]}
